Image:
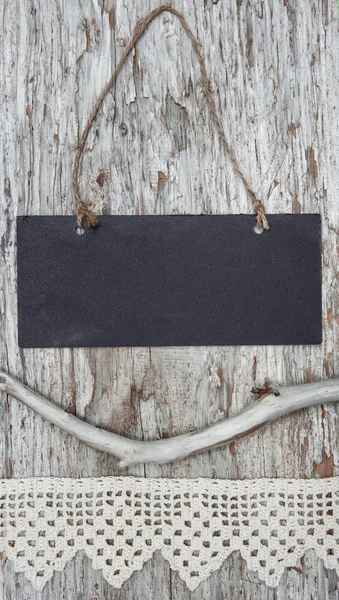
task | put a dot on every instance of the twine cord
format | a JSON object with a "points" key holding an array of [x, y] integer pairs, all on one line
{"points": [[82, 211]]}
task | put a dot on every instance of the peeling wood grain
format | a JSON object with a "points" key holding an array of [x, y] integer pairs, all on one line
{"points": [[326, 467], [233, 448], [293, 129], [55, 58], [312, 166], [161, 180], [111, 14]]}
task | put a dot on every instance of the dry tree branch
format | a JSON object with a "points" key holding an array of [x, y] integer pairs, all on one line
{"points": [[270, 404]]}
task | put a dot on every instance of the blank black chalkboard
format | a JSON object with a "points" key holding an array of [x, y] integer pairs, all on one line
{"points": [[169, 281]]}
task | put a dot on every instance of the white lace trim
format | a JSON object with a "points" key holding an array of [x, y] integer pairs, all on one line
{"points": [[196, 523]]}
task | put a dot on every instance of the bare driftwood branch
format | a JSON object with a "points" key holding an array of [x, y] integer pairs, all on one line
{"points": [[270, 404]]}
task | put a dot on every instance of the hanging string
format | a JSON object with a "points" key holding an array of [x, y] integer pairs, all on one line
{"points": [[82, 211]]}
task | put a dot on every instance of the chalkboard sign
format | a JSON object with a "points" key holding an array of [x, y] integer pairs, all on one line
{"points": [[169, 281]]}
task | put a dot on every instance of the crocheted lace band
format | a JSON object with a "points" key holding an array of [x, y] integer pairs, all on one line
{"points": [[120, 521]]}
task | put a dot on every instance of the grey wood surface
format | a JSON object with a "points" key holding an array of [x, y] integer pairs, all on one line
{"points": [[274, 73]]}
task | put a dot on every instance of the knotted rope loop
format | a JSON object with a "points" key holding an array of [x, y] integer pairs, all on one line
{"points": [[259, 210], [82, 211]]}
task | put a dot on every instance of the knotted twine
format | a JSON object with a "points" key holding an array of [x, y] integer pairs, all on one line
{"points": [[82, 210]]}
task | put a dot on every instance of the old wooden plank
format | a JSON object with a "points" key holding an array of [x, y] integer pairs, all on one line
{"points": [[274, 72]]}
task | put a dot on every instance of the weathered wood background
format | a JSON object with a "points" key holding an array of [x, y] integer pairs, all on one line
{"points": [[274, 71]]}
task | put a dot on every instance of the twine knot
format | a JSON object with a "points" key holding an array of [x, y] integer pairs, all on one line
{"points": [[259, 210], [83, 212]]}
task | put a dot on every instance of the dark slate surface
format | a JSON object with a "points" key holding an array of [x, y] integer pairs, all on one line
{"points": [[169, 281]]}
